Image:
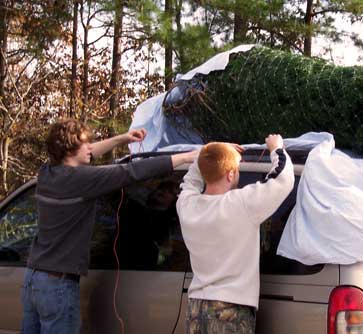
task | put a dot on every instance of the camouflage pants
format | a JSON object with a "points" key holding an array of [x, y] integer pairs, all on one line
{"points": [[214, 317]]}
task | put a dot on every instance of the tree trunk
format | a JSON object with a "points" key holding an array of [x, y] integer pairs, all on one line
{"points": [[86, 56], [4, 156], [169, 46], [308, 26], [72, 106], [240, 25], [3, 52], [272, 41], [178, 9], [116, 60], [3, 46]]}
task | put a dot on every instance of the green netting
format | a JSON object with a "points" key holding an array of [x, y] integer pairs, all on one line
{"points": [[269, 91]]}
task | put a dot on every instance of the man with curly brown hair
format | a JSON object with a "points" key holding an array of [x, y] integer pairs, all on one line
{"points": [[67, 190]]}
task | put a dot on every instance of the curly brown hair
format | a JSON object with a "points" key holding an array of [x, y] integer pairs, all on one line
{"points": [[64, 138]]}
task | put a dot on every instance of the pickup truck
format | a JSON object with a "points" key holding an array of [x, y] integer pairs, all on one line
{"points": [[155, 272]]}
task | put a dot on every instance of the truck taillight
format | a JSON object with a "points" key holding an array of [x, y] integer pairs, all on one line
{"points": [[345, 311]]}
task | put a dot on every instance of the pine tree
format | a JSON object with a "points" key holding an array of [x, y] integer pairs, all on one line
{"points": [[269, 91]]}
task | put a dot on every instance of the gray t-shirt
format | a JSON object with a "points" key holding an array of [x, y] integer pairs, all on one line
{"points": [[66, 198]]}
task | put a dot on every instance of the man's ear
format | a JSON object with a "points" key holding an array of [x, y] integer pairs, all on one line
{"points": [[230, 176]]}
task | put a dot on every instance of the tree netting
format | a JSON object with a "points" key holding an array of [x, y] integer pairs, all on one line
{"points": [[266, 91]]}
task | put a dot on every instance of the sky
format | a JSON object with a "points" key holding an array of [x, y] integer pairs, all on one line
{"points": [[343, 53]]}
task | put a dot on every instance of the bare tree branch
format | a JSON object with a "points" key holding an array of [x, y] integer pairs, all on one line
{"points": [[329, 10], [24, 68], [101, 105], [99, 38]]}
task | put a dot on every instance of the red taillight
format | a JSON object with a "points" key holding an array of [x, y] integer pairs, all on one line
{"points": [[344, 299]]}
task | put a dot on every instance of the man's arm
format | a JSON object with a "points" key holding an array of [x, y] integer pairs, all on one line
{"points": [[192, 184], [193, 180], [104, 146], [183, 158], [262, 199], [93, 181]]}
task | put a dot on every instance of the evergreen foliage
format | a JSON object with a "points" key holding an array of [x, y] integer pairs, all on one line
{"points": [[270, 91]]}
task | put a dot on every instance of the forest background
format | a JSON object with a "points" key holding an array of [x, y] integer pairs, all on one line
{"points": [[97, 60]]}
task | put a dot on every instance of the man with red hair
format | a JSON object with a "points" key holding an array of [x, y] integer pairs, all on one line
{"points": [[220, 225]]}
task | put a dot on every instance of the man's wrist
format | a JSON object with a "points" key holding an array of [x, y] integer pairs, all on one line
{"points": [[178, 159], [275, 148], [122, 139], [184, 158]]}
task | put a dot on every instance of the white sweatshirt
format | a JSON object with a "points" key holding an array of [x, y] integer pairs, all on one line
{"points": [[222, 232]]}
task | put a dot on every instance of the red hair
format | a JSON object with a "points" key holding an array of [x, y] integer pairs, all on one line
{"points": [[216, 160]]}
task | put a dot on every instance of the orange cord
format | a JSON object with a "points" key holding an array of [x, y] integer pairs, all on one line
{"points": [[141, 149], [122, 325], [261, 156], [259, 159]]}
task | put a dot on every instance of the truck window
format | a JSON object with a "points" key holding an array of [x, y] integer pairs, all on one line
{"points": [[150, 235], [270, 235], [18, 226]]}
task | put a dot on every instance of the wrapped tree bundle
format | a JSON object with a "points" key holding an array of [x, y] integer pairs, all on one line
{"points": [[266, 91]]}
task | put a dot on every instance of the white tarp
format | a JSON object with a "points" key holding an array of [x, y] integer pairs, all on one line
{"points": [[216, 63], [305, 142], [149, 114], [326, 225], [160, 132]]}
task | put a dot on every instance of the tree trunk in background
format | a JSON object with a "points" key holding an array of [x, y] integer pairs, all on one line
{"points": [[178, 12], [272, 42], [72, 105], [4, 141], [3, 46], [240, 25], [86, 56], [169, 46], [308, 25], [116, 59], [4, 156]]}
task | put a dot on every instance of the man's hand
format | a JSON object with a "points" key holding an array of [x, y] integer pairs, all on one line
{"points": [[103, 146], [273, 142], [136, 135], [239, 148]]}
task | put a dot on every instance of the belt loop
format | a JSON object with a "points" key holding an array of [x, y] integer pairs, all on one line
{"points": [[29, 275]]}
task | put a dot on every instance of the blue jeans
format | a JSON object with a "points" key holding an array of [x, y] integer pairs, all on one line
{"points": [[50, 304]]}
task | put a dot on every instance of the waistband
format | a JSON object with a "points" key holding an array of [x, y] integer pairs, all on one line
{"points": [[57, 274]]}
